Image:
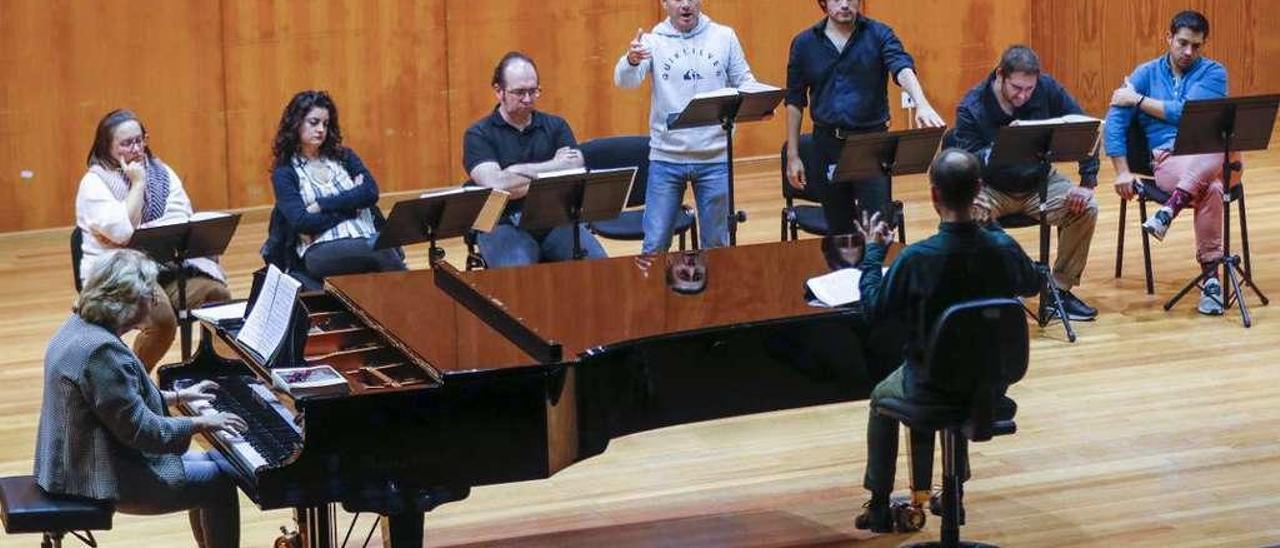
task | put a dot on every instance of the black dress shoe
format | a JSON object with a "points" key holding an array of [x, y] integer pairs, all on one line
{"points": [[877, 518], [1076, 309]]}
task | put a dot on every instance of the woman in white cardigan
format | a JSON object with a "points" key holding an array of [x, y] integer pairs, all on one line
{"points": [[126, 188]]}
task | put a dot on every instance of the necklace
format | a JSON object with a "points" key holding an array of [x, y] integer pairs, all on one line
{"points": [[318, 172]]}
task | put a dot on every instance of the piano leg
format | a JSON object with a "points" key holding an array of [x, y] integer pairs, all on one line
{"points": [[403, 530], [316, 525]]}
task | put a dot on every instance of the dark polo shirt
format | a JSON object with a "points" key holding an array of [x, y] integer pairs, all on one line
{"points": [[492, 139]]}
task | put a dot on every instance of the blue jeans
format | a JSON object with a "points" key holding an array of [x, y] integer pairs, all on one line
{"points": [[209, 497], [665, 194], [509, 245]]}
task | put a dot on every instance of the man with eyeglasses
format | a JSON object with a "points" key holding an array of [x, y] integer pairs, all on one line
{"points": [[687, 53], [506, 150], [1018, 90]]}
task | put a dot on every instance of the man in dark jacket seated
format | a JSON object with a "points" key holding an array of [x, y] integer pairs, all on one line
{"points": [[963, 261]]}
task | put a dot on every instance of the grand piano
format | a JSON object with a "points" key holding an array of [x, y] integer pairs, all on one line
{"points": [[461, 379]]}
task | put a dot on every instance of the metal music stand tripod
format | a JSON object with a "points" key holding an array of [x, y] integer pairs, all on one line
{"points": [[1224, 126], [440, 214], [868, 155], [174, 244], [1045, 144], [576, 198], [726, 111]]}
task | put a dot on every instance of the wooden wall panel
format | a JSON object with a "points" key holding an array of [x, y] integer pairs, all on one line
{"points": [[63, 65], [766, 39], [411, 75], [1092, 45], [955, 44], [1076, 58], [383, 62]]}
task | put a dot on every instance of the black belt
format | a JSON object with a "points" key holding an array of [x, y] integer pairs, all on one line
{"points": [[844, 133]]}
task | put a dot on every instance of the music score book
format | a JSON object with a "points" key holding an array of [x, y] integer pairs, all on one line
{"points": [[268, 319]]}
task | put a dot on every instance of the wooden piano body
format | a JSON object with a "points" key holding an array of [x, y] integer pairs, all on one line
{"points": [[442, 399]]}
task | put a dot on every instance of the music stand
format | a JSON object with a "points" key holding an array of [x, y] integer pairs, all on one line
{"points": [[436, 215], [1224, 126], [576, 198], [868, 155], [175, 243], [1045, 144], [727, 111]]}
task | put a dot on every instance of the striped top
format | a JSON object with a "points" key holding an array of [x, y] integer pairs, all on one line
{"points": [[325, 177]]}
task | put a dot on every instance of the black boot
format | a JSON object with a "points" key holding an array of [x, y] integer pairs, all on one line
{"points": [[876, 516]]}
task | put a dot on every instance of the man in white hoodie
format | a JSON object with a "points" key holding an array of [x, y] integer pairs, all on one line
{"points": [[687, 54]]}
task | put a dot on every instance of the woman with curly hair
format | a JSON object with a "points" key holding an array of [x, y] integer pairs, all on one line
{"points": [[326, 216]]}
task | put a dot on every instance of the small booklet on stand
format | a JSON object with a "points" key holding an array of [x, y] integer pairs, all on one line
{"points": [[316, 380]]}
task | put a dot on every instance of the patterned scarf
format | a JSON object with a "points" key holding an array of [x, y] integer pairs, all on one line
{"points": [[154, 197]]}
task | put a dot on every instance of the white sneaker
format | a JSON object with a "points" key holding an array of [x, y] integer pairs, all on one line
{"points": [[1211, 298], [1159, 223]]}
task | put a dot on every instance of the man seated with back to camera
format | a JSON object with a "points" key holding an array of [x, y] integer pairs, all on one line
{"points": [[506, 151], [1018, 90], [963, 261]]}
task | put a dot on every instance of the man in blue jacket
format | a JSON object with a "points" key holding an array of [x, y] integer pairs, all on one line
{"points": [[1155, 93]]}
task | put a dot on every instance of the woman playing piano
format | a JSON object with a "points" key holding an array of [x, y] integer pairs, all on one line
{"points": [[326, 216], [126, 188], [104, 433]]}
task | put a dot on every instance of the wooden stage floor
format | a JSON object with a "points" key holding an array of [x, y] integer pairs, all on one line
{"points": [[1156, 428]]}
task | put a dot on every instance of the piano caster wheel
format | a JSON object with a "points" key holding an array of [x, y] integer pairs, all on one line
{"points": [[287, 539], [907, 517]]}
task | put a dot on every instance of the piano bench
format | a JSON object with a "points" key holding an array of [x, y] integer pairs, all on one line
{"points": [[26, 508]]}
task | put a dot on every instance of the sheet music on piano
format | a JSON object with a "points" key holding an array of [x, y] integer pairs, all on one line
{"points": [[268, 319]]}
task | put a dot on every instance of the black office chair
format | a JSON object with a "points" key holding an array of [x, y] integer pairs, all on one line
{"points": [[283, 255], [632, 151], [979, 348], [77, 255], [1140, 163], [806, 217], [26, 508]]}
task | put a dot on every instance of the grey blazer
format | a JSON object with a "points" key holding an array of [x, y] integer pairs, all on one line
{"points": [[103, 424]]}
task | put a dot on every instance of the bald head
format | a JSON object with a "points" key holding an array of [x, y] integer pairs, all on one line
{"points": [[956, 174]]}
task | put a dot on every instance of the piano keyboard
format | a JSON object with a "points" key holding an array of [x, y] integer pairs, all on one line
{"points": [[272, 435]]}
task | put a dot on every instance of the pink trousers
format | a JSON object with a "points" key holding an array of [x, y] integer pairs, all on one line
{"points": [[1199, 175]]}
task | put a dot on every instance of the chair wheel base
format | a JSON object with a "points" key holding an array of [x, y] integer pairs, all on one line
{"points": [[907, 517]]}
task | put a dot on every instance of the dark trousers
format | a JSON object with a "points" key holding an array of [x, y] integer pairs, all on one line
{"points": [[350, 256], [882, 445], [843, 201]]}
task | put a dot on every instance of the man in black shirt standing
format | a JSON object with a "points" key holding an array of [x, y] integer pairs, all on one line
{"points": [[963, 261], [1018, 90], [841, 67], [506, 151]]}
